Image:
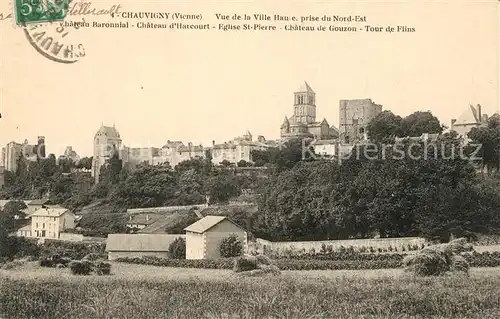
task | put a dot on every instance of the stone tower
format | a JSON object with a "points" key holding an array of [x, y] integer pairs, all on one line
{"points": [[40, 147], [354, 118], [107, 141], [304, 105]]}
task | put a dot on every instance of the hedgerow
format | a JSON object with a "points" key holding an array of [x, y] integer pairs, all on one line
{"points": [[368, 261]]}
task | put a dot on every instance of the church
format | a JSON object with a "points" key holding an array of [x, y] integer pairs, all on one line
{"points": [[303, 124]]}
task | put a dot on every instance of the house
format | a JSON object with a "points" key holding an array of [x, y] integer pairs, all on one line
{"points": [[138, 245], [138, 222], [49, 222], [471, 117], [35, 204], [203, 237], [24, 231]]}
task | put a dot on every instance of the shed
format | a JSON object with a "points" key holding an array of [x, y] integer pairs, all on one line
{"points": [[138, 245], [203, 237]]}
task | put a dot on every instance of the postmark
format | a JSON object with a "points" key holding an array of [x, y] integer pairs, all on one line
{"points": [[42, 24], [53, 41]]}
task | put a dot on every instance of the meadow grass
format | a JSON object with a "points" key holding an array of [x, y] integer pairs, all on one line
{"points": [[139, 291]]}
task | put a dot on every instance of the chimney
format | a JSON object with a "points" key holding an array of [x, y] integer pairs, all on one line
{"points": [[213, 143]]}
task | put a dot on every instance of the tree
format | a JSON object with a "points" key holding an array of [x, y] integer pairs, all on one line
{"points": [[147, 186], [384, 127], [85, 162], [190, 188], [231, 246], [225, 163], [488, 138], [220, 188], [243, 163], [110, 173], [419, 123], [177, 249]]}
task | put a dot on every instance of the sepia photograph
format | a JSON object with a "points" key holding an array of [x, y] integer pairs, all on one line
{"points": [[249, 159]]}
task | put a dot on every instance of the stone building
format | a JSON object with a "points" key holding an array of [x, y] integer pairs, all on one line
{"points": [[354, 117], [139, 245], [107, 141], [303, 124], [70, 154], [2, 176], [203, 238], [472, 117], [133, 156], [12, 151], [174, 152], [239, 149]]}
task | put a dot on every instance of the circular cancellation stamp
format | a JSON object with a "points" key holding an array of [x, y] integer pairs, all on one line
{"points": [[41, 21]]}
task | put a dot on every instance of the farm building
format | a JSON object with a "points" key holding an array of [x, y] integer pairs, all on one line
{"points": [[203, 238], [138, 245]]}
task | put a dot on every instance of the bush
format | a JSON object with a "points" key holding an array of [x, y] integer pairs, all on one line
{"points": [[245, 263], [44, 262], [231, 246], [92, 257], [177, 249], [102, 268], [374, 261], [83, 267]]}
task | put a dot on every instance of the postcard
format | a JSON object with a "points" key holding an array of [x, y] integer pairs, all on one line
{"points": [[183, 146]]}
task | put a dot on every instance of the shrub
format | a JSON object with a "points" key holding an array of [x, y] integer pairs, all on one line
{"points": [[102, 268], [231, 246], [83, 267], [177, 249], [92, 257], [245, 263], [44, 262]]}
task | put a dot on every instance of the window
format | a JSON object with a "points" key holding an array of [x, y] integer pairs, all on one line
{"points": [[362, 130], [43, 226], [36, 225]]}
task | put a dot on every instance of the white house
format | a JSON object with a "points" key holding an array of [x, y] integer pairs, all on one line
{"points": [[203, 237], [49, 222]]}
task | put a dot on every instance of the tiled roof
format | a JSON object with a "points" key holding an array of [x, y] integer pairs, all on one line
{"points": [[50, 211], [142, 219], [38, 202], [108, 131], [140, 242], [206, 223], [173, 144], [324, 142]]}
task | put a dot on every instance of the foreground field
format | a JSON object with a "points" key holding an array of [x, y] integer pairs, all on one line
{"points": [[137, 291]]}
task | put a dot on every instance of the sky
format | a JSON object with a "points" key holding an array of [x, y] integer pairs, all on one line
{"points": [[157, 85]]}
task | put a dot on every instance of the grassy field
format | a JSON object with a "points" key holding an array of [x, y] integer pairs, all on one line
{"points": [[138, 291]]}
